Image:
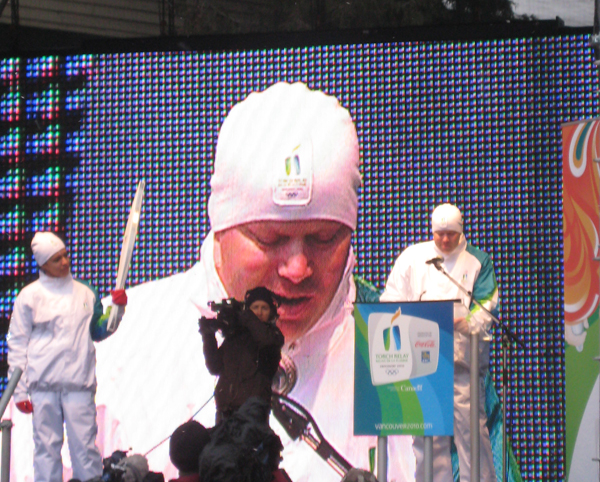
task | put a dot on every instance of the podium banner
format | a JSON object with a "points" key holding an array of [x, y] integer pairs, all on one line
{"points": [[404, 368]]}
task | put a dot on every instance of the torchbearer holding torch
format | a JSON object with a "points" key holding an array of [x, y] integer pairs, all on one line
{"points": [[54, 324]]}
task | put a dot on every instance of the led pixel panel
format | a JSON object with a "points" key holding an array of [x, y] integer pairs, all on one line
{"points": [[475, 123]]}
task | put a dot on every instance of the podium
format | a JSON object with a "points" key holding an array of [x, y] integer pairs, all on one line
{"points": [[404, 372]]}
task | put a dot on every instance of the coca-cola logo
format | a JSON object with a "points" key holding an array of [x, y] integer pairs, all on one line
{"points": [[425, 344]]}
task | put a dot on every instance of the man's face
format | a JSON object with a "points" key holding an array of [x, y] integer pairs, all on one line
{"points": [[301, 261], [446, 241], [58, 265]]}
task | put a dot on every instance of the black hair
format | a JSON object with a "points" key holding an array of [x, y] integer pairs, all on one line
{"points": [[186, 445]]}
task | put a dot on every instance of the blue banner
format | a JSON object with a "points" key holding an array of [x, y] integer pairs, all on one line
{"points": [[404, 368]]}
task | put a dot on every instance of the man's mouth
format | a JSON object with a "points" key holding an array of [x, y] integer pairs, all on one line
{"points": [[294, 308], [293, 301]]}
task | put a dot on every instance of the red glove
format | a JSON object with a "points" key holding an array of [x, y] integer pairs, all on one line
{"points": [[119, 297], [25, 406]]}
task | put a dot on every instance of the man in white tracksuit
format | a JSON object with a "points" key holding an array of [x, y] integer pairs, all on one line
{"points": [[53, 325], [413, 279], [283, 207]]}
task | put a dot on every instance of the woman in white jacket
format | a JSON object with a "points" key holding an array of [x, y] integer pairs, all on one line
{"points": [[53, 326]]}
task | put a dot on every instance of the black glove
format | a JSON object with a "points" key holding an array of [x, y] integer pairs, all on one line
{"points": [[208, 326]]}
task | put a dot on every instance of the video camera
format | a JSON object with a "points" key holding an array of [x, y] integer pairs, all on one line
{"points": [[112, 471], [116, 469], [227, 319]]}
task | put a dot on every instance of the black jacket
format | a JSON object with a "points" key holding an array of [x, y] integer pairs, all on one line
{"points": [[245, 362]]}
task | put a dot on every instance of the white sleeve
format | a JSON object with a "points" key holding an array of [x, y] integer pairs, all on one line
{"points": [[398, 286], [18, 341]]}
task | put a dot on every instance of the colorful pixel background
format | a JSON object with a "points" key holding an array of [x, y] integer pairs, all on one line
{"points": [[476, 123]]}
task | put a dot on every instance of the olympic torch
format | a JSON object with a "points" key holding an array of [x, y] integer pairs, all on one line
{"points": [[127, 249]]}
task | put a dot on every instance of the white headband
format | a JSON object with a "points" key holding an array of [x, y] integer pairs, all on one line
{"points": [[285, 154], [45, 245], [446, 217]]}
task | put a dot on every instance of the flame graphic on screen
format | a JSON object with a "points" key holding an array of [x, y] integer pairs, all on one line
{"points": [[581, 186]]}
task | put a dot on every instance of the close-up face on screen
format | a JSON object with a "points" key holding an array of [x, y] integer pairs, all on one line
{"points": [[302, 262], [306, 170]]}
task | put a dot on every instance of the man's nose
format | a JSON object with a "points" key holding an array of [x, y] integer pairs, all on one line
{"points": [[295, 265]]}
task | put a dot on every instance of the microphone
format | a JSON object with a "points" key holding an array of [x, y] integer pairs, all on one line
{"points": [[435, 261]]}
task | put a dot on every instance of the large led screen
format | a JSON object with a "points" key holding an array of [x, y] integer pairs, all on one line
{"points": [[475, 123]]}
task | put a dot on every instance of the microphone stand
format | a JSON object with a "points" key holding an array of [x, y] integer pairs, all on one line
{"points": [[299, 423], [6, 425], [474, 371]]}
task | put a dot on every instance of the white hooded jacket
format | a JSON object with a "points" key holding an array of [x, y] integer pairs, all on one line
{"points": [[412, 279], [51, 333]]}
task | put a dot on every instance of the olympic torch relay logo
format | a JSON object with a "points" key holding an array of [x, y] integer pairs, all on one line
{"points": [[294, 161], [395, 330], [402, 347], [293, 176]]}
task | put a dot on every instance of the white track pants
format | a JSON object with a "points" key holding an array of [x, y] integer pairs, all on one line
{"points": [[442, 463], [77, 411]]}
